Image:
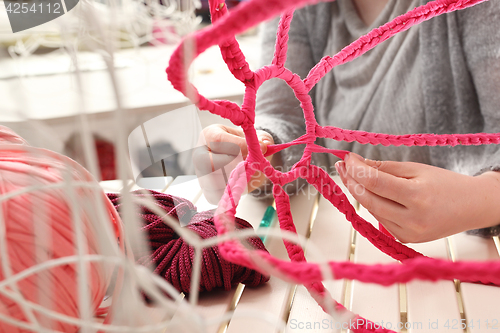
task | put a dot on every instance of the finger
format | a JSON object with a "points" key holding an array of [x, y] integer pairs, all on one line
{"points": [[376, 181], [213, 197], [212, 182], [218, 136], [399, 169], [203, 161], [233, 130], [219, 139], [340, 167], [219, 128], [226, 143], [374, 203], [265, 138], [224, 147], [400, 233], [392, 227], [213, 186]]}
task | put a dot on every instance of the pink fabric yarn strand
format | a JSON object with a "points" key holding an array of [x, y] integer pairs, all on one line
{"points": [[415, 265]]}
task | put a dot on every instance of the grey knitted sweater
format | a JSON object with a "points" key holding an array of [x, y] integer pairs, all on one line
{"points": [[442, 76]]}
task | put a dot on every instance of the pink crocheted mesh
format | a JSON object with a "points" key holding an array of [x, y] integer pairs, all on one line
{"points": [[298, 270]]}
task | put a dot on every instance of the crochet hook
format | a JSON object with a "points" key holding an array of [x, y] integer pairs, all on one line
{"points": [[267, 220]]}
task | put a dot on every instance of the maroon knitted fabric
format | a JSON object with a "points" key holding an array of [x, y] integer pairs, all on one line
{"points": [[172, 258]]}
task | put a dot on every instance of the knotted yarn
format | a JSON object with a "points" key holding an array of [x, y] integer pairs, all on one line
{"points": [[45, 233], [225, 26], [171, 256]]}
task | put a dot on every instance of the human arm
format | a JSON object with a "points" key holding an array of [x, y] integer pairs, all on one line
{"points": [[478, 43], [480, 31], [417, 202]]}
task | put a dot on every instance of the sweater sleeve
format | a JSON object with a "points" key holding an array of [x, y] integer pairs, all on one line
{"points": [[480, 32], [277, 109]]}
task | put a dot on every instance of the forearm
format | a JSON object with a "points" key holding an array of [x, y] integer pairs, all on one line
{"points": [[487, 223]]}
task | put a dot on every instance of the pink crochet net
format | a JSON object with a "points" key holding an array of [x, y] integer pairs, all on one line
{"points": [[298, 270]]}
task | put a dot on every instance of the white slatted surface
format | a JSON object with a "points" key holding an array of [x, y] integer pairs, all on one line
{"points": [[379, 304], [480, 302], [422, 306], [332, 235], [272, 300], [432, 304]]}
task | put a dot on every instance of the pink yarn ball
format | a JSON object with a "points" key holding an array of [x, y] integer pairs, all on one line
{"points": [[36, 227]]}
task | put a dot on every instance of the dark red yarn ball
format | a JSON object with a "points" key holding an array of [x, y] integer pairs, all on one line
{"points": [[172, 258]]}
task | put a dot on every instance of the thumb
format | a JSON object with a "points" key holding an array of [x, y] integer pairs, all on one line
{"points": [[265, 139]]}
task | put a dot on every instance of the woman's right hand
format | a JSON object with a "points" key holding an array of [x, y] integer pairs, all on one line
{"points": [[222, 148]]}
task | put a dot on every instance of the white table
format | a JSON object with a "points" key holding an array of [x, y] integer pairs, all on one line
{"points": [[44, 90], [422, 306]]}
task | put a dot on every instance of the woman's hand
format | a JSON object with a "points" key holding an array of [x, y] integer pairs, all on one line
{"points": [[222, 149], [417, 202]]}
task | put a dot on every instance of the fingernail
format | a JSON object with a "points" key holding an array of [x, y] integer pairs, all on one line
{"points": [[266, 141], [263, 147], [371, 163], [340, 167]]}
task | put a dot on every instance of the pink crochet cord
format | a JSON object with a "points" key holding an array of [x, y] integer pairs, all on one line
{"points": [[222, 32]]}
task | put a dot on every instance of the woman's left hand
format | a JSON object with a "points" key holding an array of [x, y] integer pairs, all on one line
{"points": [[417, 202]]}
